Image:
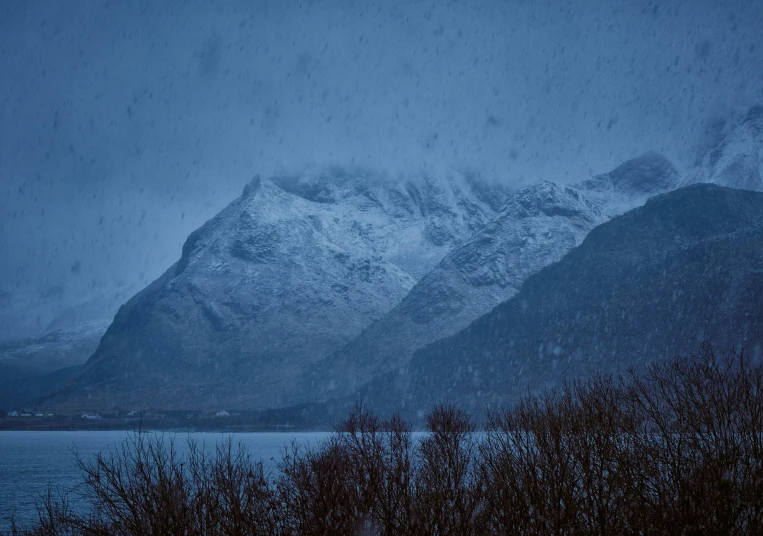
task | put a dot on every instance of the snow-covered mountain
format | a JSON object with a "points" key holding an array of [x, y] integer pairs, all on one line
{"points": [[42, 330], [56, 349], [291, 271], [492, 266], [537, 226], [310, 286], [29, 313]]}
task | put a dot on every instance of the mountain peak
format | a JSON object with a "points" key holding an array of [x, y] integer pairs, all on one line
{"points": [[643, 176], [329, 184], [736, 160], [252, 186]]}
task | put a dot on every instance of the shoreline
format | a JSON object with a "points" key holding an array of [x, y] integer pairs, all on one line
{"points": [[63, 424]]}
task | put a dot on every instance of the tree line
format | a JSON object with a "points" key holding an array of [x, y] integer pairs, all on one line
{"points": [[676, 448]]}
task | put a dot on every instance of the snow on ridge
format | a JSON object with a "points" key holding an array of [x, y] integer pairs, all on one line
{"points": [[411, 223]]}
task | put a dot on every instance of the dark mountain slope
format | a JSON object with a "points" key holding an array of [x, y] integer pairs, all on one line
{"points": [[657, 281]]}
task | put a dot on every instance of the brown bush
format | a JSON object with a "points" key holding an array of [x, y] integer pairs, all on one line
{"points": [[359, 481], [553, 463], [448, 494], [697, 446]]}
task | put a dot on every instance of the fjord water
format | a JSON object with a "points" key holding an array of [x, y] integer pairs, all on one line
{"points": [[30, 461]]}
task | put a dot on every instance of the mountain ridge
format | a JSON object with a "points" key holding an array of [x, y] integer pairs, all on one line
{"points": [[537, 226]]}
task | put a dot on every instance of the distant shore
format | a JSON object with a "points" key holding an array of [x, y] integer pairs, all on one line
{"points": [[234, 423]]}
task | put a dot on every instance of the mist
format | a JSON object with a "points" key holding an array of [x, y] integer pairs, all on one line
{"points": [[125, 125]]}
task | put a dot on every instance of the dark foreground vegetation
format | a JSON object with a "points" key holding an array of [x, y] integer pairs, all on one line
{"points": [[677, 449]]}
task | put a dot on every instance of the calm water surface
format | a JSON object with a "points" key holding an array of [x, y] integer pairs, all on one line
{"points": [[30, 461]]}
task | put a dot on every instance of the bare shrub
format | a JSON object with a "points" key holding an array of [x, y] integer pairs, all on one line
{"points": [[359, 481], [676, 449], [551, 465], [448, 493], [144, 487], [698, 446]]}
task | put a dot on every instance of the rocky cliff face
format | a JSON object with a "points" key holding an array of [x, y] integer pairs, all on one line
{"points": [[655, 282], [288, 273]]}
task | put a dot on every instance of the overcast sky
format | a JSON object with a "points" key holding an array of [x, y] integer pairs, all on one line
{"points": [[124, 125]]}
